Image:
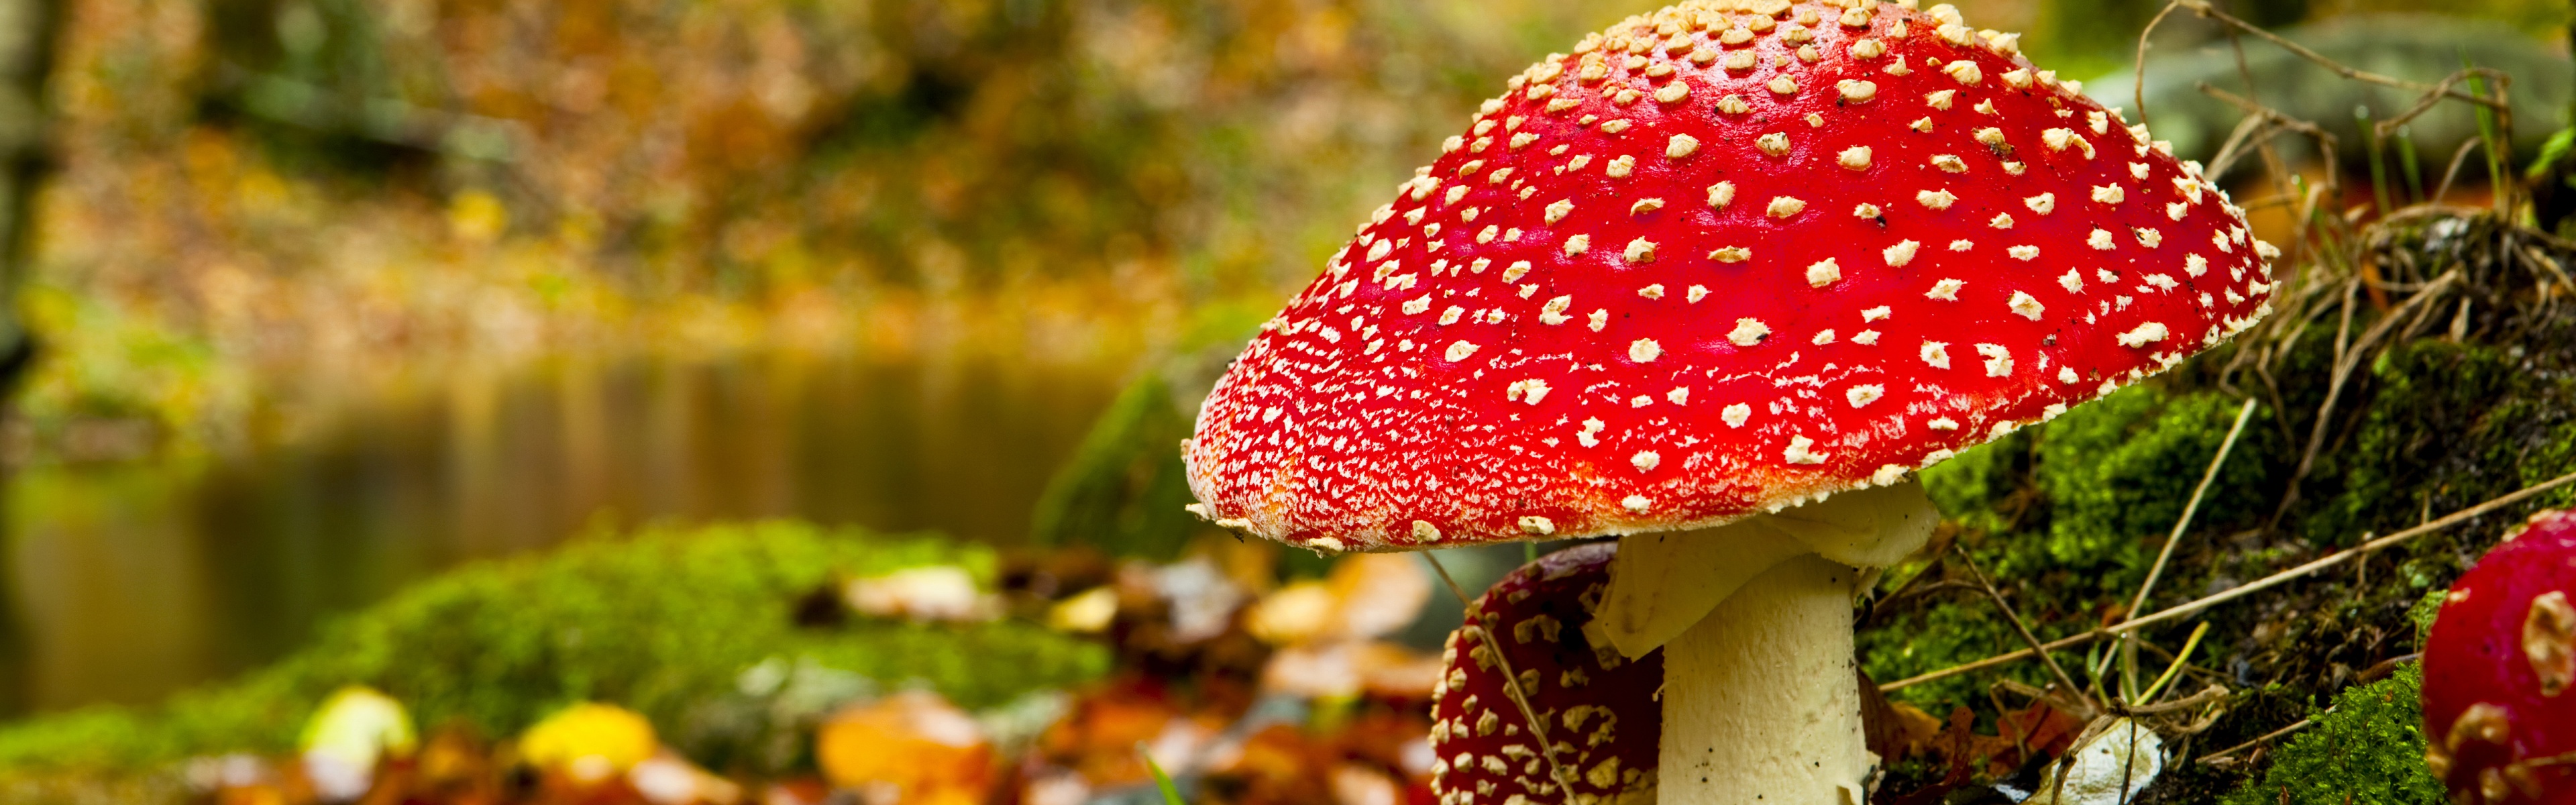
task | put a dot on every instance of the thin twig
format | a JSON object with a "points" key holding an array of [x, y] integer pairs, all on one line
{"points": [[2204, 9], [2188, 510], [1511, 679], [2128, 649], [2018, 626], [2259, 585], [2138, 74], [2458, 158], [2303, 723]]}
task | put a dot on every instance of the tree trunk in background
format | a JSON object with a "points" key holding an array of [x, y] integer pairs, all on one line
{"points": [[27, 34]]}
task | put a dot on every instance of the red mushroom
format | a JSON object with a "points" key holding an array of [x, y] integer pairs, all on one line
{"points": [[1724, 260], [2499, 722], [1596, 708]]}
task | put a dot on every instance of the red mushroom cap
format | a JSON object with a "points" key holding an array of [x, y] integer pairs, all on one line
{"points": [[2498, 668], [1600, 709], [1724, 258]]}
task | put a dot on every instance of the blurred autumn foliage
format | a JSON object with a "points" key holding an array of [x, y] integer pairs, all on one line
{"points": [[266, 200]]}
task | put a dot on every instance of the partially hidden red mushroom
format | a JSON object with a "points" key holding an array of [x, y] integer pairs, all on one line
{"points": [[1719, 264], [2499, 720], [1596, 707]]}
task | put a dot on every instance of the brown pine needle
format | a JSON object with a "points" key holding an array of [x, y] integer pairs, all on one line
{"points": [[1511, 679]]}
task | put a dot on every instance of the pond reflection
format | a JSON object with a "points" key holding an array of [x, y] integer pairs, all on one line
{"points": [[129, 582]]}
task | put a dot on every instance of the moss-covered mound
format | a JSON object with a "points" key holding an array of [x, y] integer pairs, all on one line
{"points": [[2428, 420], [664, 622]]}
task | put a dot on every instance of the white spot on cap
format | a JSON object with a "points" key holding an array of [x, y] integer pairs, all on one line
{"points": [[1621, 167], [1900, 254], [1998, 360], [1965, 71], [1942, 423], [1876, 313], [1855, 90], [1655, 291], [1554, 311], [1459, 350], [1866, 338], [1962, 245], [1645, 460], [1639, 503], [2066, 374], [2144, 334], [2027, 306], [1424, 531], [1682, 145], [1680, 395], [1747, 332], [1935, 199], [1534, 524], [1645, 350], [2100, 240], [1577, 244], [1935, 353], [2042, 203], [1735, 415], [1801, 451], [2022, 252], [1696, 293], [2108, 194], [2195, 265], [1721, 194], [1941, 99], [1863, 395], [1528, 391], [1855, 158], [1597, 319], [1784, 206], [2072, 281], [1949, 163], [1823, 273], [1640, 250], [1417, 305], [1645, 205], [1774, 143], [2001, 221], [1822, 338], [1946, 290], [1557, 211]]}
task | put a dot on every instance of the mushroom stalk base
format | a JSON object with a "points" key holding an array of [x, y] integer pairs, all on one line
{"points": [[1759, 703]]}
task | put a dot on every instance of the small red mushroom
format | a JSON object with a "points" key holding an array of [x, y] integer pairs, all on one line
{"points": [[1720, 263], [1600, 713], [2500, 724]]}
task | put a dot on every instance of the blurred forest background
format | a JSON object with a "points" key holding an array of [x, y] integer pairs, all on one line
{"points": [[331, 295]]}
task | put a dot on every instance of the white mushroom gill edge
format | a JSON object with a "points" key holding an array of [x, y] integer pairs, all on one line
{"points": [[1755, 619]]}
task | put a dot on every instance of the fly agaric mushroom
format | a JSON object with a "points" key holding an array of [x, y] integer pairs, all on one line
{"points": [[1597, 708], [2500, 723], [1720, 264]]}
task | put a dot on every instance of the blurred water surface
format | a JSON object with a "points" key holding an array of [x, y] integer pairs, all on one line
{"points": [[129, 582]]}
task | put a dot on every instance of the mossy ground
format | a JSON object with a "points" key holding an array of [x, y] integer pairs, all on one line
{"points": [[2069, 515], [663, 622]]}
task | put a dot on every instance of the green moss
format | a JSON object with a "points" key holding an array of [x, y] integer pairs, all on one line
{"points": [[664, 623], [2369, 748], [1125, 487]]}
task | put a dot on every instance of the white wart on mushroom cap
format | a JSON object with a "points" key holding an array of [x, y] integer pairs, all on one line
{"points": [[1721, 259], [1599, 708]]}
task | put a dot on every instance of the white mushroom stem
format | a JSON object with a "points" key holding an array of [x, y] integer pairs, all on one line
{"points": [[1760, 702], [1760, 699]]}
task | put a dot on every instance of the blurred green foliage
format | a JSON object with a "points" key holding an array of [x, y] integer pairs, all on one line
{"points": [[664, 622]]}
